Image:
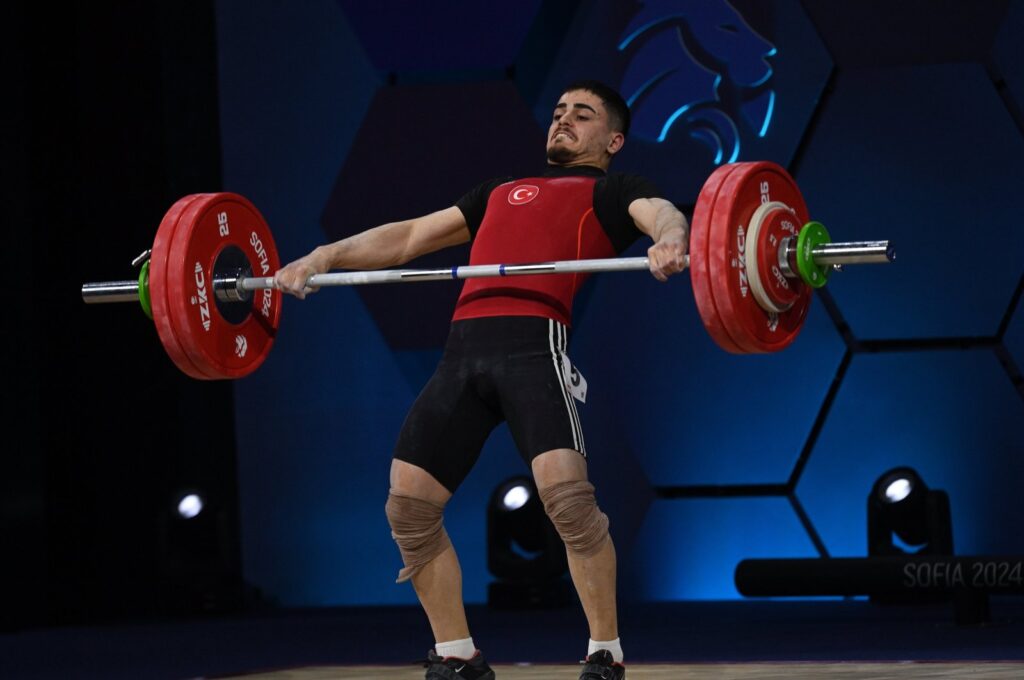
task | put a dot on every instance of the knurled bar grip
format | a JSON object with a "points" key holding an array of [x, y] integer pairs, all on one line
{"points": [[623, 264]]}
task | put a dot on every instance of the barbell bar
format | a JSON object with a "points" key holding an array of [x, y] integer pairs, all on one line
{"points": [[754, 259], [236, 288]]}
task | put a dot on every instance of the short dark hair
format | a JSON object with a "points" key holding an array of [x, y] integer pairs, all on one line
{"points": [[618, 110]]}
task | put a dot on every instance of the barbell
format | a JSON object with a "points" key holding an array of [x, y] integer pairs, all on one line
{"points": [[754, 259]]}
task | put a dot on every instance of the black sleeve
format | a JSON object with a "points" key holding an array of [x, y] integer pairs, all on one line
{"points": [[474, 203], [612, 196]]}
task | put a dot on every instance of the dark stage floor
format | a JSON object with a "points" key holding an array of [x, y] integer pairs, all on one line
{"points": [[685, 632]]}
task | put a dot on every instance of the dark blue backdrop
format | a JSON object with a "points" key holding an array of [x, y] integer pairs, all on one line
{"points": [[338, 115]]}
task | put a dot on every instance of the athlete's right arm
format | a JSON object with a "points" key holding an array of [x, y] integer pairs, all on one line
{"points": [[388, 245]]}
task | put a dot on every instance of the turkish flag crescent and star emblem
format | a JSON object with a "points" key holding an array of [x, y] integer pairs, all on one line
{"points": [[523, 193]]}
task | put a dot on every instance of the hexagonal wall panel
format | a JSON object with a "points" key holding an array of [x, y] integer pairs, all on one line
{"points": [[689, 549], [862, 33], [706, 84], [312, 461], [1008, 52], [894, 157], [953, 416], [423, 147], [623, 490], [433, 36], [692, 413], [289, 109]]}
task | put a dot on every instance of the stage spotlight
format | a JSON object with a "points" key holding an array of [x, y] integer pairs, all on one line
{"points": [[898, 489], [199, 570], [906, 517], [190, 505], [524, 552], [902, 505], [516, 497]]}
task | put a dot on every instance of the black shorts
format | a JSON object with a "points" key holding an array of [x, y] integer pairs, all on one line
{"points": [[493, 369]]}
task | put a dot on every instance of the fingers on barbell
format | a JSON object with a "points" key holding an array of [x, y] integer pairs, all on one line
{"points": [[294, 283], [665, 260], [660, 270]]}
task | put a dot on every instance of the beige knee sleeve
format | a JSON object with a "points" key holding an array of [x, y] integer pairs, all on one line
{"points": [[574, 512], [416, 526]]}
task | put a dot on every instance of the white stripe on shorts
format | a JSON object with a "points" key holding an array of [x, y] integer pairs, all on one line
{"points": [[557, 341]]}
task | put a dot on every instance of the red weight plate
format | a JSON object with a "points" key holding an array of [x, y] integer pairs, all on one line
{"points": [[158, 289], [783, 291], [699, 273], [745, 189], [209, 225]]}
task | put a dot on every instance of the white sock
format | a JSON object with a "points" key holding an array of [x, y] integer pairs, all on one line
{"points": [[612, 646], [460, 649]]}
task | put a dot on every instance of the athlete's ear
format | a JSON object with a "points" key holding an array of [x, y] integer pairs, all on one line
{"points": [[615, 143]]}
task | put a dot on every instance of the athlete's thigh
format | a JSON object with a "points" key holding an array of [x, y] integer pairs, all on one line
{"points": [[446, 428]]}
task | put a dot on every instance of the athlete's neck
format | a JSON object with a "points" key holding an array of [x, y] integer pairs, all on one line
{"points": [[588, 162]]}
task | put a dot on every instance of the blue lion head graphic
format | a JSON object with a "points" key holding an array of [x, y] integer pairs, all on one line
{"points": [[696, 65]]}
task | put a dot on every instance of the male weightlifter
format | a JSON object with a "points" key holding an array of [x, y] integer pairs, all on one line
{"points": [[502, 361]]}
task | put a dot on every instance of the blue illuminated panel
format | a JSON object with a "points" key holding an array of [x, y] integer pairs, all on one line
{"points": [[689, 549], [691, 412], [316, 423], [894, 157], [953, 416]]}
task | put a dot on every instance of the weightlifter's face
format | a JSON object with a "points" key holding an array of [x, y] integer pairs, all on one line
{"points": [[579, 133]]}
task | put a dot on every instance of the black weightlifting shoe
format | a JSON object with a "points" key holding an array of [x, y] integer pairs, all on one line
{"points": [[453, 668], [601, 666]]}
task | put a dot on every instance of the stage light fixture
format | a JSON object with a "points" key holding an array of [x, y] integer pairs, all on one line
{"points": [[902, 505], [905, 517], [524, 552], [198, 561], [910, 558]]}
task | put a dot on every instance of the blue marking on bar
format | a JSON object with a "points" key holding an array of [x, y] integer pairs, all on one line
{"points": [[501, 270], [455, 272]]}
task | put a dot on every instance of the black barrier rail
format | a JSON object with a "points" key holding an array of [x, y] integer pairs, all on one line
{"points": [[890, 575], [966, 581]]}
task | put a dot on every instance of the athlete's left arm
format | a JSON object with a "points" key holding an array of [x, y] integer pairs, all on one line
{"points": [[660, 220]]}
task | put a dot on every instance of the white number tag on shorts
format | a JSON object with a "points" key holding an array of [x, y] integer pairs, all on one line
{"points": [[574, 380]]}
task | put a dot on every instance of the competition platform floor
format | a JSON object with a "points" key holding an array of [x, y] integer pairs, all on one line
{"points": [[686, 640], [778, 671]]}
